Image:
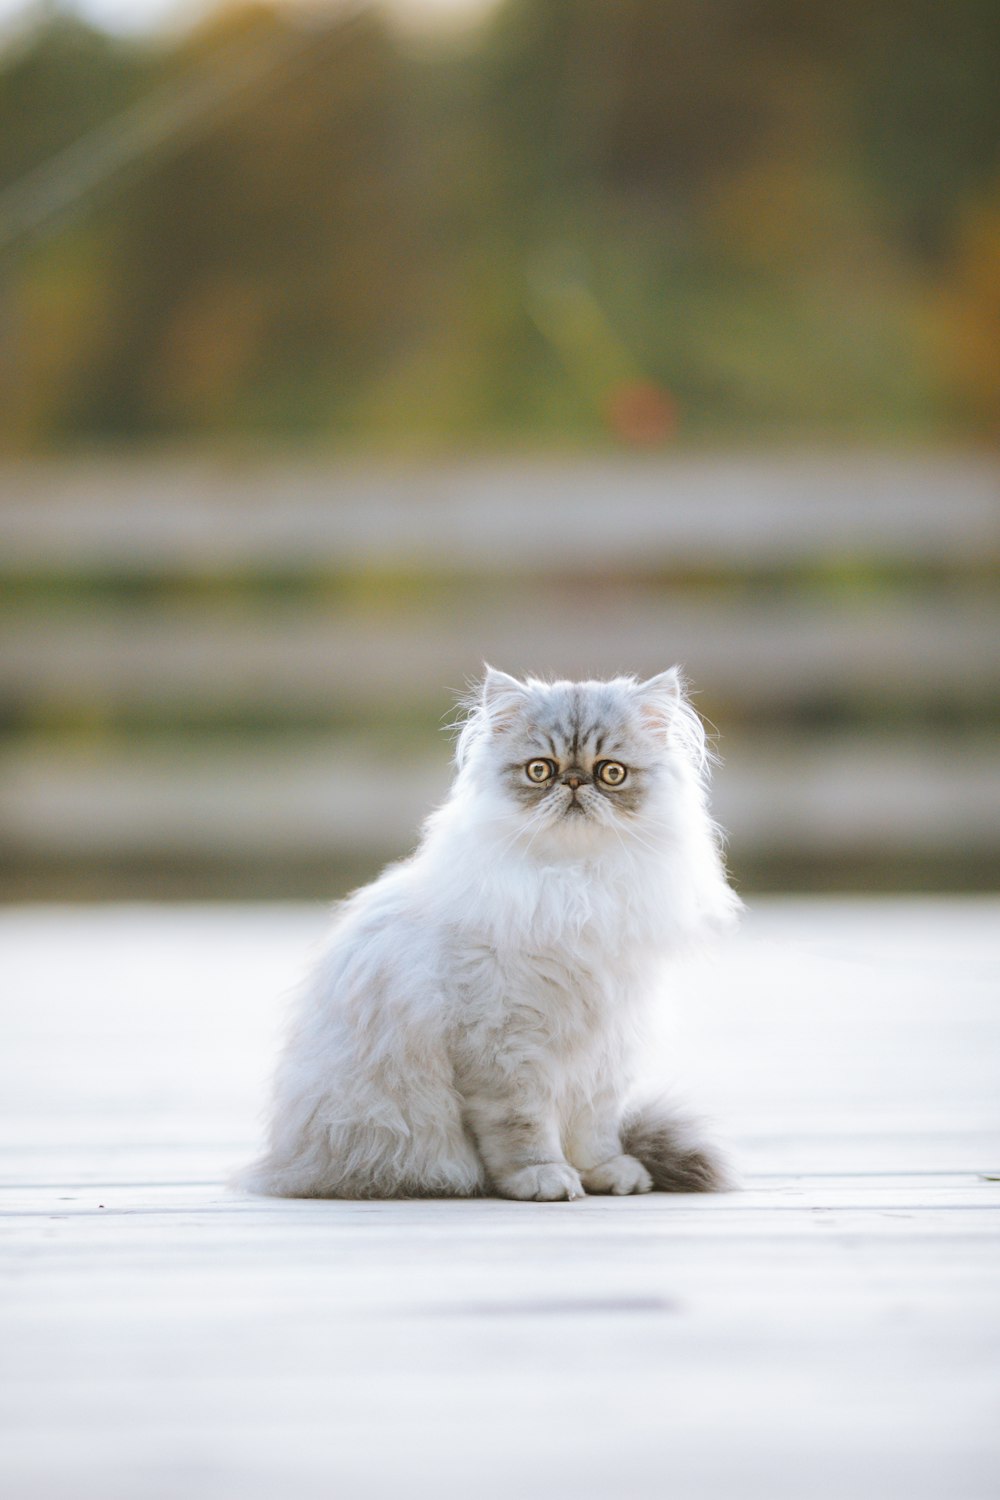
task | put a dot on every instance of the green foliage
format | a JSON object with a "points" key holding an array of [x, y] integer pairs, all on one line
{"points": [[781, 216]]}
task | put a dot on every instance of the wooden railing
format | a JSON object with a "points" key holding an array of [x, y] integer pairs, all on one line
{"points": [[230, 677]]}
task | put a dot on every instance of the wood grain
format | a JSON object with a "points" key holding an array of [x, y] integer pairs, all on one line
{"points": [[829, 1331]]}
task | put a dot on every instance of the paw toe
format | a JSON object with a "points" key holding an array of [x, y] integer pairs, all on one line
{"points": [[549, 1182], [620, 1176]]}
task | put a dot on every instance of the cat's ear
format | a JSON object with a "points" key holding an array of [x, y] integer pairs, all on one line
{"points": [[503, 697], [661, 696], [664, 705]]}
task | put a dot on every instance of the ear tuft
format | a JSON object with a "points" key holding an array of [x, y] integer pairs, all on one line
{"points": [[502, 697], [661, 696], [665, 708]]}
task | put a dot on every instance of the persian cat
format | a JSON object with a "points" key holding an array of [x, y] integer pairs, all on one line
{"points": [[473, 1023]]}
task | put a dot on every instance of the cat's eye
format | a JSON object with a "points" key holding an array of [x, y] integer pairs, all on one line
{"points": [[611, 772], [540, 770]]}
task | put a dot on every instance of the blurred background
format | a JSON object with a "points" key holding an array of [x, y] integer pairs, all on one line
{"points": [[344, 346]]}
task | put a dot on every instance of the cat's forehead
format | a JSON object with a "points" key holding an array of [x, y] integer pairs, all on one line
{"points": [[577, 713]]}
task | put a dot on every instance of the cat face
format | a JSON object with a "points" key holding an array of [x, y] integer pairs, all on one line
{"points": [[578, 760]]}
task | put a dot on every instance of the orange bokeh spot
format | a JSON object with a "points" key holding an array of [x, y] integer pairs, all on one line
{"points": [[641, 412]]}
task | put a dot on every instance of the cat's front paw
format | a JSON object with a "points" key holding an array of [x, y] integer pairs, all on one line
{"points": [[620, 1175], [545, 1183]]}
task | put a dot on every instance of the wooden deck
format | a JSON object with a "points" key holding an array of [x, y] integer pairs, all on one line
{"points": [[832, 1330]]}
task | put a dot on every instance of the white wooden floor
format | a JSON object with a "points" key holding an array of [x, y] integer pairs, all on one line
{"points": [[833, 1330]]}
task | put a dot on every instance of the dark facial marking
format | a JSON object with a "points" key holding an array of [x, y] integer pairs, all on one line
{"points": [[529, 792], [561, 733], [629, 796], [586, 736]]}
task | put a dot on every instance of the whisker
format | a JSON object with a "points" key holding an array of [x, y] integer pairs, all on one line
{"points": [[537, 817]]}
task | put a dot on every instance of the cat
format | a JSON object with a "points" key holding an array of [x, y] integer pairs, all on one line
{"points": [[473, 1022]]}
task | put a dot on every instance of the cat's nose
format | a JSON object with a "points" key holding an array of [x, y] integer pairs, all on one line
{"points": [[573, 779]]}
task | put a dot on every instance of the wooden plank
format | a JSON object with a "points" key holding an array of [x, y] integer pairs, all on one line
{"points": [[421, 1327], [340, 798], [756, 656], [831, 1330], [742, 512]]}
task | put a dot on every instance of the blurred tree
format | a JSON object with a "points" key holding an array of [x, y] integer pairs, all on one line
{"points": [[258, 270], [772, 216], [968, 314], [58, 82], [55, 85], [924, 88]]}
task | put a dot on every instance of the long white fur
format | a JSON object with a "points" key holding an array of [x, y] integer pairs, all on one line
{"points": [[472, 1023]]}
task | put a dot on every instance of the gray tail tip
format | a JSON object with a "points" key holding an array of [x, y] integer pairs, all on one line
{"points": [[670, 1147]]}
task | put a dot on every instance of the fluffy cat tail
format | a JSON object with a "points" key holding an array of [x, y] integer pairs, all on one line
{"points": [[670, 1147]]}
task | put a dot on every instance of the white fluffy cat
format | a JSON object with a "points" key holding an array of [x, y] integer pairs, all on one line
{"points": [[473, 1022]]}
